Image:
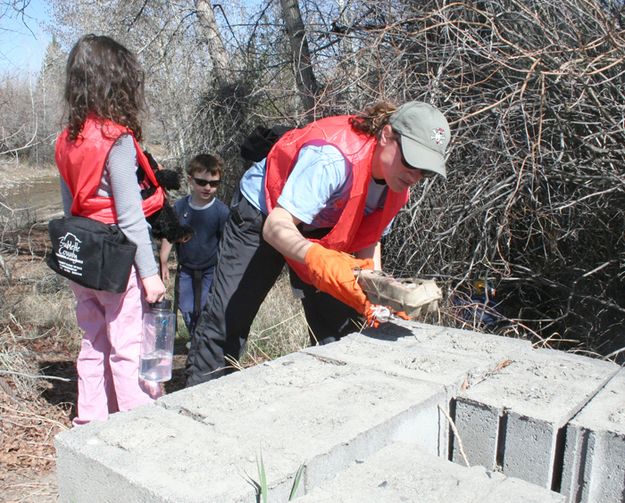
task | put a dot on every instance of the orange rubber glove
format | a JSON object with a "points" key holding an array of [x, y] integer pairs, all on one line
{"points": [[332, 272]]}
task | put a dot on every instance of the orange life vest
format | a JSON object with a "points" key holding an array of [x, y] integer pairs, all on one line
{"points": [[354, 230], [81, 164]]}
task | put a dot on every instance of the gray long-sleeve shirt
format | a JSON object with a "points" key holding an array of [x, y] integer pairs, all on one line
{"points": [[119, 181]]}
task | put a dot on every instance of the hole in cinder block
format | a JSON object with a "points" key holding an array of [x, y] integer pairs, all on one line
{"points": [[558, 460], [501, 441], [580, 473], [450, 433]]}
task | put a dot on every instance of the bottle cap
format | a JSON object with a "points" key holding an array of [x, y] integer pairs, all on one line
{"points": [[164, 305]]}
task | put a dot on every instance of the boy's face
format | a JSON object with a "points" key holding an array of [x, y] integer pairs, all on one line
{"points": [[203, 186]]}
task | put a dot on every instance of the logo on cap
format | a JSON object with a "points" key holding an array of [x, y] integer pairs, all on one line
{"points": [[438, 135]]}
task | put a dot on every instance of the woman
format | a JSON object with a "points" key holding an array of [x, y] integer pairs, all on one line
{"points": [[324, 192]]}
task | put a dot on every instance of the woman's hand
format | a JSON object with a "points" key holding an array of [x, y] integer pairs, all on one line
{"points": [[154, 288]]}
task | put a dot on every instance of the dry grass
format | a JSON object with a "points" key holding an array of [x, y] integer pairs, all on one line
{"points": [[38, 342], [279, 328]]}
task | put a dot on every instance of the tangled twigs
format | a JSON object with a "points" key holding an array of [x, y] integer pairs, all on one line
{"points": [[535, 199]]}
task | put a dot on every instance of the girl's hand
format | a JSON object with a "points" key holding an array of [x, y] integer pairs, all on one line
{"points": [[154, 288]]}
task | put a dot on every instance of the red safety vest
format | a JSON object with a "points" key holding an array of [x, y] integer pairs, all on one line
{"points": [[354, 230], [81, 163]]}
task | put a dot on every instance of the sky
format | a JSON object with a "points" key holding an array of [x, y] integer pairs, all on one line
{"points": [[23, 42]]}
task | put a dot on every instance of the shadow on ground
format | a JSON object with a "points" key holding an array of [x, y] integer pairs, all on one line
{"points": [[61, 378]]}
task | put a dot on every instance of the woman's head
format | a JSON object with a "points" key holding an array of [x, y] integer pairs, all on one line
{"points": [[411, 145], [105, 79], [423, 134]]}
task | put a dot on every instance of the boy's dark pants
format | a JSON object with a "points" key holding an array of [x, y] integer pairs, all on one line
{"points": [[247, 269]]}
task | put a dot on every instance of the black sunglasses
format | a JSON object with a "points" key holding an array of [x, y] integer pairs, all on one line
{"points": [[203, 183], [424, 172]]}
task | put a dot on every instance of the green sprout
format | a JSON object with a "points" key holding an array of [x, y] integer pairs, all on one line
{"points": [[261, 487]]}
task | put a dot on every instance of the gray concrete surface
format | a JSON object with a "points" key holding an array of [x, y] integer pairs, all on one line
{"points": [[202, 444], [342, 410], [402, 473], [478, 427], [594, 458]]}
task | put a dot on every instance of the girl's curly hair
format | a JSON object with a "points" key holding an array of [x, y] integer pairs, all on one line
{"points": [[373, 118], [105, 79]]}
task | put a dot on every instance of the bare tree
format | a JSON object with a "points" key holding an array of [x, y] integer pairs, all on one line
{"points": [[302, 63], [222, 69], [18, 117], [19, 127], [14, 9], [49, 101]]}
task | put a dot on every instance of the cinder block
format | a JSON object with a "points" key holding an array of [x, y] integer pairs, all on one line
{"points": [[529, 452], [404, 473], [450, 357], [594, 457], [408, 358], [537, 393], [478, 427], [578, 453], [151, 455], [404, 357], [202, 444], [451, 339]]}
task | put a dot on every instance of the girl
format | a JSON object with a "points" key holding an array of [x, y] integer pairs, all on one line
{"points": [[97, 156]]}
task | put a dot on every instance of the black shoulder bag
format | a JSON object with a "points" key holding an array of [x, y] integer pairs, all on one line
{"points": [[92, 254]]}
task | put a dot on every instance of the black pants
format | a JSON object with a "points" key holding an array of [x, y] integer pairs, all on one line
{"points": [[247, 269]]}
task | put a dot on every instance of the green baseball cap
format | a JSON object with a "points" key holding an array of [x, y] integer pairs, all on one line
{"points": [[424, 133]]}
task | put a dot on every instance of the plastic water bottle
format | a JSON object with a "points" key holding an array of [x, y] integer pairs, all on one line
{"points": [[157, 344]]}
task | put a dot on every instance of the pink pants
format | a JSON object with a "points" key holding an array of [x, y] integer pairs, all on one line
{"points": [[108, 362]]}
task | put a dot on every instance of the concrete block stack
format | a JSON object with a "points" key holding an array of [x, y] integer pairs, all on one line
{"points": [[368, 420], [202, 444], [513, 421]]}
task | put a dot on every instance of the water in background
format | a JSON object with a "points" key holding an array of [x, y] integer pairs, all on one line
{"points": [[28, 195]]}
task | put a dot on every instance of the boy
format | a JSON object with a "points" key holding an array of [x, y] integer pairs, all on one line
{"points": [[207, 215]]}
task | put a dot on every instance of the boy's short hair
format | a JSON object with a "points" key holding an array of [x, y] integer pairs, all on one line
{"points": [[205, 162]]}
